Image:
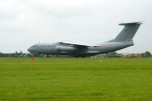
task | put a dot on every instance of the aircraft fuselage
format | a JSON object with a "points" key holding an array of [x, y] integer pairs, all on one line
{"points": [[59, 49]]}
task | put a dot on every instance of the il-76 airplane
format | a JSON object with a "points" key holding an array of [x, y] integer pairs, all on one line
{"points": [[122, 40]]}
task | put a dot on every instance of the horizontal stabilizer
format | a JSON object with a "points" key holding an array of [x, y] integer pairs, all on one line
{"points": [[130, 23]]}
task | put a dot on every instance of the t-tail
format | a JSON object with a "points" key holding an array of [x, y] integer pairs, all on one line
{"points": [[128, 32]]}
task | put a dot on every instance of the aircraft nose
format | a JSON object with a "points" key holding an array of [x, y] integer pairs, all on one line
{"points": [[29, 49]]}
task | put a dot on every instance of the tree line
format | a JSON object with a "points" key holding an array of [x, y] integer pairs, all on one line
{"points": [[111, 54]]}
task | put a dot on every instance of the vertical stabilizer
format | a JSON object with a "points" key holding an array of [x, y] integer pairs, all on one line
{"points": [[128, 31]]}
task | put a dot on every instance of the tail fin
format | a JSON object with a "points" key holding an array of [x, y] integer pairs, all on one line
{"points": [[128, 31]]}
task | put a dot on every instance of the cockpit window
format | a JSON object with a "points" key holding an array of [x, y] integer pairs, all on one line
{"points": [[34, 46]]}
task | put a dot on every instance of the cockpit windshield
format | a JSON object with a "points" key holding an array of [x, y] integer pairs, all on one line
{"points": [[34, 46]]}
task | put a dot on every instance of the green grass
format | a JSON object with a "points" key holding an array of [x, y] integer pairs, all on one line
{"points": [[75, 79]]}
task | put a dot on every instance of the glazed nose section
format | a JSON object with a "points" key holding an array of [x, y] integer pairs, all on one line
{"points": [[30, 50]]}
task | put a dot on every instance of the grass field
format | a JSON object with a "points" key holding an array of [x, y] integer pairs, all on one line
{"points": [[75, 79]]}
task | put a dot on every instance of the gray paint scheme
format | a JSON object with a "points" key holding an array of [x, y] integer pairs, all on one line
{"points": [[122, 40]]}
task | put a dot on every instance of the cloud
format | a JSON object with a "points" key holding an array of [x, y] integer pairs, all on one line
{"points": [[27, 22]]}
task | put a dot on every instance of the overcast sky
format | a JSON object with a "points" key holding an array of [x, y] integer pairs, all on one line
{"points": [[27, 22]]}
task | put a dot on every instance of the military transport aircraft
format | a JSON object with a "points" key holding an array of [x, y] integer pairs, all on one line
{"points": [[122, 40]]}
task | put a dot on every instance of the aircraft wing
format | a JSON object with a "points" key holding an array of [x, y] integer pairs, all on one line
{"points": [[75, 45]]}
